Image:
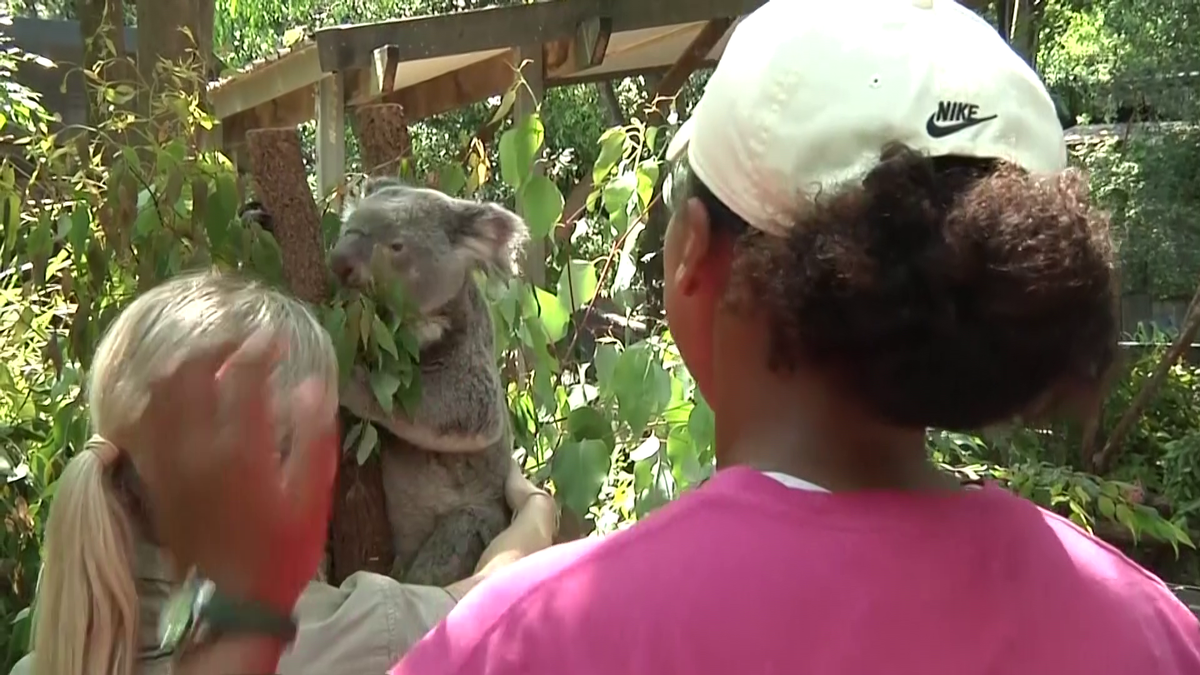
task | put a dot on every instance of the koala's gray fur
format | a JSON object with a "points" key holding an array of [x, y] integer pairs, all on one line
{"points": [[444, 468]]}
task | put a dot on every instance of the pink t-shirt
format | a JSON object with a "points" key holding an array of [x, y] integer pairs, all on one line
{"points": [[746, 576]]}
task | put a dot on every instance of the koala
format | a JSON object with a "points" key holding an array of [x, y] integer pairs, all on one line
{"points": [[445, 464]]}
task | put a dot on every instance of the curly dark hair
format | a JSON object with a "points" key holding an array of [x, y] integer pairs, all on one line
{"points": [[943, 292]]}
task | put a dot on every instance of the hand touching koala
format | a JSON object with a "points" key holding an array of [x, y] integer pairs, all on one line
{"points": [[445, 464]]}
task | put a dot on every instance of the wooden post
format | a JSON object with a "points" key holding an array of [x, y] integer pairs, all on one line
{"points": [[331, 137], [383, 138], [529, 100], [277, 164]]}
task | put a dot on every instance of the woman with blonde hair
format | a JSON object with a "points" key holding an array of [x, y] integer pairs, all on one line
{"points": [[115, 598]]}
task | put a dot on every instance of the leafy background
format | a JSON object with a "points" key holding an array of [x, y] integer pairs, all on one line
{"points": [[610, 419]]}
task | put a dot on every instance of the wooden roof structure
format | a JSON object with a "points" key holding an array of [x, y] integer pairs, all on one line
{"points": [[442, 62], [435, 64]]}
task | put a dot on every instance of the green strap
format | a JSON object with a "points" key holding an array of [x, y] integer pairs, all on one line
{"points": [[226, 615]]}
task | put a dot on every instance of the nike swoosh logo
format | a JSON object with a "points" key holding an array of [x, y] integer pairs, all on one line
{"points": [[941, 131]]}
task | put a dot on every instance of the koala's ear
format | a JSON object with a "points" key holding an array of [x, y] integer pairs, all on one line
{"points": [[371, 186], [489, 235], [375, 184]]}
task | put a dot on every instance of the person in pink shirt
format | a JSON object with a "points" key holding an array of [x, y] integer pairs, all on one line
{"points": [[874, 232]]}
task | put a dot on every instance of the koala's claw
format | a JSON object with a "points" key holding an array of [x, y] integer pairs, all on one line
{"points": [[358, 398]]}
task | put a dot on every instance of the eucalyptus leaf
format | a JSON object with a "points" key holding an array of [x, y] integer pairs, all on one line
{"points": [[578, 284], [383, 337], [385, 385], [518, 148], [541, 205], [553, 315], [612, 147], [368, 442], [578, 469], [589, 423]]}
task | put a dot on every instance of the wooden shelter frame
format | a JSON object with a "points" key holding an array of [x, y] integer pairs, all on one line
{"points": [[387, 75], [435, 64]]}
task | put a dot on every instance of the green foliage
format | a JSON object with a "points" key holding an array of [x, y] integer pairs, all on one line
{"points": [[616, 431], [87, 221], [1153, 491], [22, 116], [1101, 56], [373, 331], [626, 432], [1146, 181]]}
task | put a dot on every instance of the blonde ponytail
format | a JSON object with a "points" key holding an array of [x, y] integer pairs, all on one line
{"points": [[87, 606]]}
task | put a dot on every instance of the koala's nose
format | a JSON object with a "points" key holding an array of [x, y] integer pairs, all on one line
{"points": [[342, 264]]}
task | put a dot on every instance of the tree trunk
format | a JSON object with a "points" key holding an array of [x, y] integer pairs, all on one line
{"points": [[1112, 446], [1025, 29], [360, 535], [612, 104], [383, 139]]}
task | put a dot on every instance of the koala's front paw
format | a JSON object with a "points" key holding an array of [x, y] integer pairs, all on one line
{"points": [[357, 397], [431, 330], [397, 572]]}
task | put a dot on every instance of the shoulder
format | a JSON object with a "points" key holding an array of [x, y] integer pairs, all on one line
{"points": [[363, 626], [1099, 565], [496, 613], [542, 610], [1105, 599]]}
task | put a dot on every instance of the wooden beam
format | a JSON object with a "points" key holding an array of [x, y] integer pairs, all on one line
{"points": [[1084, 133], [296, 107], [585, 50], [386, 61], [696, 52], [591, 42], [476, 82], [296, 70], [345, 47], [331, 137], [670, 84], [554, 80]]}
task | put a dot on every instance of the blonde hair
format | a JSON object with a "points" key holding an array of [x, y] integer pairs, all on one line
{"points": [[87, 604]]}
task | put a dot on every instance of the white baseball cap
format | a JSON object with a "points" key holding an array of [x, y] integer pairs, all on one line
{"points": [[808, 92]]}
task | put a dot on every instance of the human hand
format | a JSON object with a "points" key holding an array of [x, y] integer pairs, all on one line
{"points": [[535, 521], [220, 498], [518, 490]]}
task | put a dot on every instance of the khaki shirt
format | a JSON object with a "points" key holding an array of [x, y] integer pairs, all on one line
{"points": [[362, 627]]}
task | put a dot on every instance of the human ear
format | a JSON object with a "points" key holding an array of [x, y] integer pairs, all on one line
{"points": [[696, 257]]}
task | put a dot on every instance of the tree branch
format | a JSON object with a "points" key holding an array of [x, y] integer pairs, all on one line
{"points": [[608, 95], [1191, 326]]}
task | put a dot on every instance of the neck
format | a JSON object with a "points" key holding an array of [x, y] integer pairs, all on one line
{"points": [[784, 424]]}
